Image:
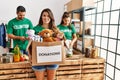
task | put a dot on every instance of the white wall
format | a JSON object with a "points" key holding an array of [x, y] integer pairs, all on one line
{"points": [[33, 9]]}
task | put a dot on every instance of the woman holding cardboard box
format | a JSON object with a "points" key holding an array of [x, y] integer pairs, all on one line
{"points": [[46, 21], [69, 32]]}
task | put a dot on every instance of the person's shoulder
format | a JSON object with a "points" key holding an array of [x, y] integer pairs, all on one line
{"points": [[26, 19], [12, 20], [35, 27], [38, 26], [59, 25], [72, 25]]}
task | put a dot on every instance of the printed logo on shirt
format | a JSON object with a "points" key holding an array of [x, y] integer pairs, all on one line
{"points": [[21, 26], [66, 30]]}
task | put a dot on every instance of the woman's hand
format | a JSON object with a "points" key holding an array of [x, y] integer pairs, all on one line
{"points": [[28, 38], [71, 45], [60, 35]]}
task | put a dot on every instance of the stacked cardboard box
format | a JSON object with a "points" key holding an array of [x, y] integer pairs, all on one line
{"points": [[77, 4]]}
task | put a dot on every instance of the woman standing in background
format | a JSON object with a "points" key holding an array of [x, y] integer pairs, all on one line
{"points": [[69, 32]]}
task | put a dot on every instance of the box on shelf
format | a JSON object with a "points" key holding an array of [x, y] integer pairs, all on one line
{"points": [[88, 25], [46, 52], [76, 23], [68, 6], [75, 16], [77, 4], [79, 26], [88, 42]]}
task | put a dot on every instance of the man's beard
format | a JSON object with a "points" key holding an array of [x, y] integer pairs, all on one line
{"points": [[20, 18]]}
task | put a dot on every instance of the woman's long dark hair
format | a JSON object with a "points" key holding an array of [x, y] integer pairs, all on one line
{"points": [[52, 20], [65, 15]]}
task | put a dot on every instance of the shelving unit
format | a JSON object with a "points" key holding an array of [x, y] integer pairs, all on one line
{"points": [[82, 13]]}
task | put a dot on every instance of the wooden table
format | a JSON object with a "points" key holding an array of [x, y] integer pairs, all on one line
{"points": [[75, 68]]}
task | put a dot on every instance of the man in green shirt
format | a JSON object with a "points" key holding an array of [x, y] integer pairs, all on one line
{"points": [[17, 28]]}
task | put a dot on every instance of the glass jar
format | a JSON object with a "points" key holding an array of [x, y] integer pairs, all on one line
{"points": [[69, 52], [87, 52], [5, 58], [11, 57]]}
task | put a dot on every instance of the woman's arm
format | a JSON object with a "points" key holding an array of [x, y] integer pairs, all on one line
{"points": [[73, 40], [59, 34]]}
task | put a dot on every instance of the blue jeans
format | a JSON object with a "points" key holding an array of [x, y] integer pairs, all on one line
{"points": [[45, 67]]}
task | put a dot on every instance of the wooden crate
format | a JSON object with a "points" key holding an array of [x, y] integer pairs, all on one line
{"points": [[80, 68], [75, 68], [92, 69], [70, 70], [16, 71]]}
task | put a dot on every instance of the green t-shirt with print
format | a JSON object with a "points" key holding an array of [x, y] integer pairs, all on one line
{"points": [[38, 29], [19, 28], [68, 32]]}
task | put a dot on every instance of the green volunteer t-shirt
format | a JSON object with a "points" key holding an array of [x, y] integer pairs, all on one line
{"points": [[19, 28], [38, 29], [68, 32]]}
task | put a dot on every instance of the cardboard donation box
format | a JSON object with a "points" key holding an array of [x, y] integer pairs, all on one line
{"points": [[45, 53]]}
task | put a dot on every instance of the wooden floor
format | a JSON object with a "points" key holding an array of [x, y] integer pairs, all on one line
{"points": [[75, 68]]}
